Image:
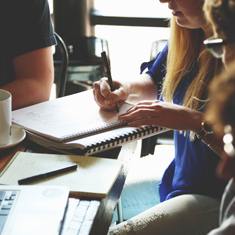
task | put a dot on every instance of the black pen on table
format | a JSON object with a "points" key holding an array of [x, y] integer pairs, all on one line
{"points": [[47, 174], [108, 74]]}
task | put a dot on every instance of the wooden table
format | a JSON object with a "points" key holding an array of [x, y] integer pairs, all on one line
{"points": [[127, 153]]}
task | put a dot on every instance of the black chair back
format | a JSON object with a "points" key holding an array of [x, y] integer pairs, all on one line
{"points": [[64, 66]]}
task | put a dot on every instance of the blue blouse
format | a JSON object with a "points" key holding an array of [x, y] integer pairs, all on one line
{"points": [[193, 169]]}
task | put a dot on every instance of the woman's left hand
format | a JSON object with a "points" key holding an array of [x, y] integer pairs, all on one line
{"points": [[163, 114]]}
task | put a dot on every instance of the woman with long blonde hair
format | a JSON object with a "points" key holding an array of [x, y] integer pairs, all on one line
{"points": [[189, 190]]}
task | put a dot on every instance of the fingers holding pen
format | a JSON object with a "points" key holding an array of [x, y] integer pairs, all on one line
{"points": [[104, 87], [99, 97], [103, 96]]}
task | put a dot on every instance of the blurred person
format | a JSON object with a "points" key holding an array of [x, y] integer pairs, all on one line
{"points": [[221, 110]]}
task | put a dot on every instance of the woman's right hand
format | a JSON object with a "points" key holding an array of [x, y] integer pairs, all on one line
{"points": [[107, 99]]}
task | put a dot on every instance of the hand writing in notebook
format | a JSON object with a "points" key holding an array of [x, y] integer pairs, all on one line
{"points": [[106, 99], [131, 90], [108, 74]]}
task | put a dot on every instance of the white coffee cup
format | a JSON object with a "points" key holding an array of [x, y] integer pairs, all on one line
{"points": [[5, 117]]}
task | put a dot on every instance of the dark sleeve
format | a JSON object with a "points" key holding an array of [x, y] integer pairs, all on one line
{"points": [[157, 67], [30, 27]]}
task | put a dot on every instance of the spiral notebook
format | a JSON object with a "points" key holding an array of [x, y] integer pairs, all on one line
{"points": [[75, 124]]}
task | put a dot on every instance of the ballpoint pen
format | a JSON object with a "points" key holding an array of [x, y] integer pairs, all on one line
{"points": [[108, 74], [46, 175]]}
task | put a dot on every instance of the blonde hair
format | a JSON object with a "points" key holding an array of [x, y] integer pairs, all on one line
{"points": [[183, 56]]}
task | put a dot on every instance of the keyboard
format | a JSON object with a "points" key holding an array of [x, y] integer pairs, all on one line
{"points": [[6, 201], [79, 216]]}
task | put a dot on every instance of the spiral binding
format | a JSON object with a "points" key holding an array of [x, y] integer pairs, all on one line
{"points": [[125, 137], [93, 131]]}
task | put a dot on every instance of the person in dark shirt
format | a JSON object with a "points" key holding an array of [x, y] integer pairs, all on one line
{"points": [[26, 59]]}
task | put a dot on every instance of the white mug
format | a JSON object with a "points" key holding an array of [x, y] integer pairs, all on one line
{"points": [[5, 117]]}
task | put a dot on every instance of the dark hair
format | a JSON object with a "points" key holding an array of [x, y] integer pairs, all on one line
{"points": [[221, 110]]}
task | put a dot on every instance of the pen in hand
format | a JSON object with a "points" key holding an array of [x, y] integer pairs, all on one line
{"points": [[108, 74], [46, 175]]}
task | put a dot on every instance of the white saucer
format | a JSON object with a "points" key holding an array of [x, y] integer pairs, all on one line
{"points": [[17, 135]]}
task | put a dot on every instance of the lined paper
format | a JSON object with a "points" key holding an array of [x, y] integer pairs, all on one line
{"points": [[94, 176]]}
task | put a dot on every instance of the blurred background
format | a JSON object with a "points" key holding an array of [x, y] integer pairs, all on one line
{"points": [[128, 45]]}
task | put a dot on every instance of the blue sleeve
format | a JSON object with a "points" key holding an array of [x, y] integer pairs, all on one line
{"points": [[157, 67]]}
